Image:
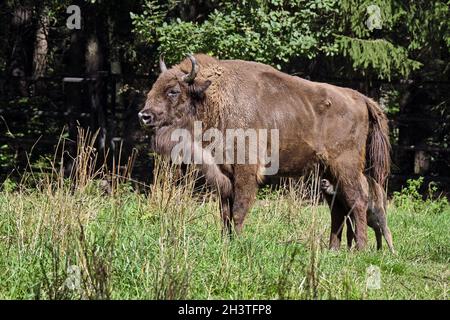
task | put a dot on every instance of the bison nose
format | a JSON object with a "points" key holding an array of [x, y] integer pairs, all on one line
{"points": [[145, 118]]}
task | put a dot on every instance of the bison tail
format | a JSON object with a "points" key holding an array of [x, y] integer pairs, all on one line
{"points": [[378, 146]]}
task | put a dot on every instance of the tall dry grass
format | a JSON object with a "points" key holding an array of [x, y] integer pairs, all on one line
{"points": [[51, 220]]}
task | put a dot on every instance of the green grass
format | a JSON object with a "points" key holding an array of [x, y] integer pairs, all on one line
{"points": [[168, 245], [66, 239]]}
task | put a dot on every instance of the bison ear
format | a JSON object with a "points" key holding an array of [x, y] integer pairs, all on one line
{"points": [[199, 88]]}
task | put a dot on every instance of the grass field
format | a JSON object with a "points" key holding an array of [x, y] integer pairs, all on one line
{"points": [[67, 239], [57, 242]]}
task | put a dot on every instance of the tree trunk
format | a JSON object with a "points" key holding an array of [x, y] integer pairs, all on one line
{"points": [[73, 94], [41, 46], [97, 70], [19, 62]]}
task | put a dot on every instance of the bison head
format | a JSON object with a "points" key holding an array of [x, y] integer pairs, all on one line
{"points": [[173, 96]]}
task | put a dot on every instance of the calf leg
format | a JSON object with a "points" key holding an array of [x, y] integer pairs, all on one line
{"points": [[373, 221], [337, 219], [337, 224], [379, 238], [376, 214], [384, 229]]}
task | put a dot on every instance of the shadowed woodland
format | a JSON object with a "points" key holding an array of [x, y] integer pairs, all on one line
{"points": [[54, 79]]}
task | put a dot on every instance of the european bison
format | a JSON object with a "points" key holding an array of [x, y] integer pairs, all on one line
{"points": [[343, 131]]}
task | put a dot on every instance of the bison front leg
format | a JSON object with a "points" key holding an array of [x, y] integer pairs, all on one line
{"points": [[245, 189]]}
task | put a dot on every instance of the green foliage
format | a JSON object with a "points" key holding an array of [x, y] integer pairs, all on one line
{"points": [[379, 55], [402, 44], [152, 16], [410, 194], [409, 198], [8, 185], [267, 31], [276, 32], [267, 193], [432, 14], [6, 155], [354, 14]]}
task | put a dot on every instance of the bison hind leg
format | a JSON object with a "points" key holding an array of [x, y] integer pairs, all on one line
{"points": [[354, 196]]}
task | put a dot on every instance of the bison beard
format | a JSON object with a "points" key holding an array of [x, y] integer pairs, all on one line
{"points": [[163, 144], [343, 131]]}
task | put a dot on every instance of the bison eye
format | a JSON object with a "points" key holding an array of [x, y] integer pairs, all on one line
{"points": [[173, 93]]}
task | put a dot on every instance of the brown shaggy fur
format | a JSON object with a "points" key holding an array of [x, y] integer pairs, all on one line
{"points": [[340, 129]]}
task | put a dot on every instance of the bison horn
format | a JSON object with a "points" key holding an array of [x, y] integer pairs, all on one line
{"points": [[162, 64], [189, 78]]}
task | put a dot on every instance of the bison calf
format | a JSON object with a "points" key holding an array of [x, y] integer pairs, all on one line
{"points": [[376, 212]]}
